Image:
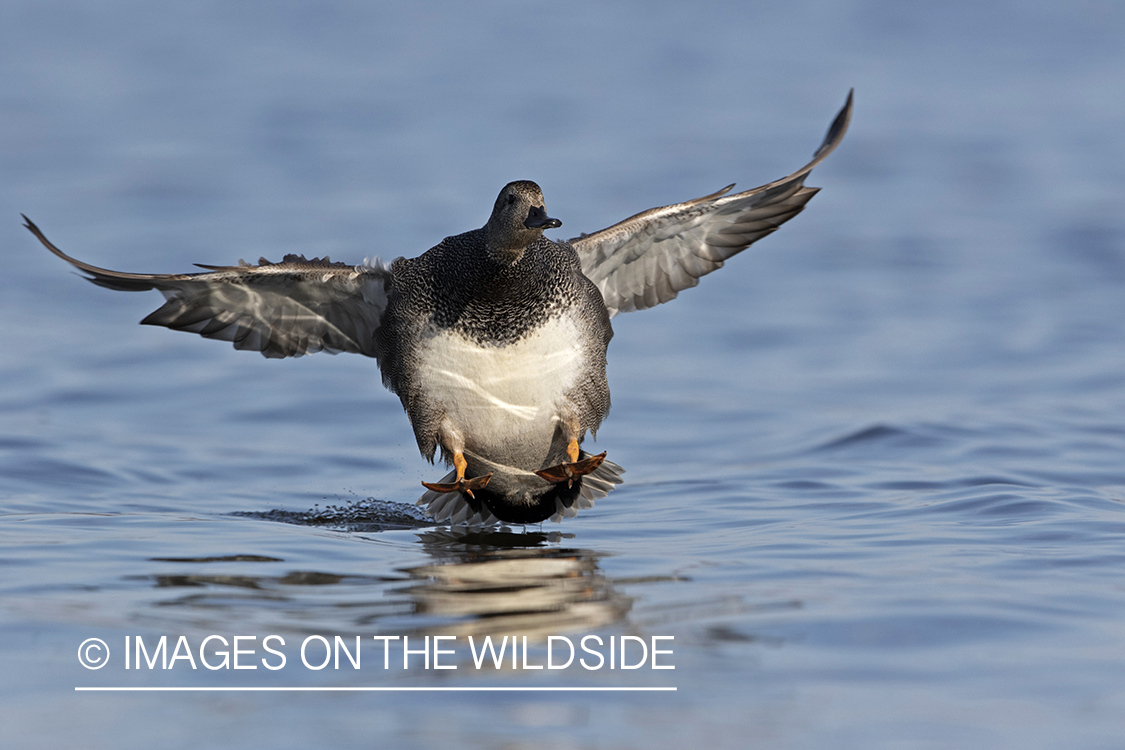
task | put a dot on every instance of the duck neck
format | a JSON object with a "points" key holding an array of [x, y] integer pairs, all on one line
{"points": [[505, 256], [505, 246]]}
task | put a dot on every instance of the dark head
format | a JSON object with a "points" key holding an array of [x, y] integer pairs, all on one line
{"points": [[517, 220]]}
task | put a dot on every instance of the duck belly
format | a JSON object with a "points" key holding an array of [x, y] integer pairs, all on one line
{"points": [[506, 402]]}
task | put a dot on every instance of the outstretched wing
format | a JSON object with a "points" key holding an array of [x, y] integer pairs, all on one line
{"points": [[282, 309], [651, 257]]}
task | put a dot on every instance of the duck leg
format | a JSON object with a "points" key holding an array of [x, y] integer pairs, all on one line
{"points": [[461, 485], [568, 472]]}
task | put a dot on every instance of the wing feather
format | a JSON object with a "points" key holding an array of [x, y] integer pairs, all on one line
{"points": [[285, 309], [651, 257]]}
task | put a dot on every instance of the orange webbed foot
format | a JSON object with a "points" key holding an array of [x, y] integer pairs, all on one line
{"points": [[568, 472], [461, 485]]}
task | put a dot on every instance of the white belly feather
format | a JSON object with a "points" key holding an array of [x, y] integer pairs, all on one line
{"points": [[503, 400]]}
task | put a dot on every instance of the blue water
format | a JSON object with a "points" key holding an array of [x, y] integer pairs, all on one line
{"points": [[875, 488]]}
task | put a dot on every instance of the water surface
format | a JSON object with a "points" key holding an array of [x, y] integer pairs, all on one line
{"points": [[875, 482]]}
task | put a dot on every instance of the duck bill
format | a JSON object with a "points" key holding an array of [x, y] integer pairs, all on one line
{"points": [[537, 218]]}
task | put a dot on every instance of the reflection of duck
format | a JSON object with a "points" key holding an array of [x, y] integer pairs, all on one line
{"points": [[491, 587], [495, 339], [482, 582]]}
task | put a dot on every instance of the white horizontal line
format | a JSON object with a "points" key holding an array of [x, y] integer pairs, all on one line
{"points": [[371, 689]]}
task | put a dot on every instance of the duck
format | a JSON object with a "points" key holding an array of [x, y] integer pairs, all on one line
{"points": [[494, 340]]}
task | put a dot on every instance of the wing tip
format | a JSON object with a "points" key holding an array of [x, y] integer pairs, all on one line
{"points": [[837, 130]]}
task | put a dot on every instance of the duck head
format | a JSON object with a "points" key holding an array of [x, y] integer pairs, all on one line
{"points": [[517, 220]]}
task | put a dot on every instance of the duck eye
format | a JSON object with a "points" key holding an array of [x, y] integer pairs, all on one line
{"points": [[511, 199]]}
